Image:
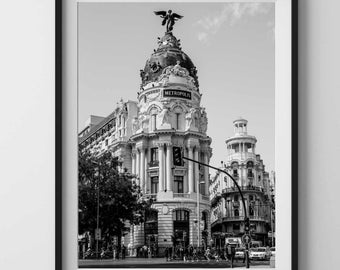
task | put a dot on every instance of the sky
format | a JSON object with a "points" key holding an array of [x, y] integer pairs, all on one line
{"points": [[231, 44]]}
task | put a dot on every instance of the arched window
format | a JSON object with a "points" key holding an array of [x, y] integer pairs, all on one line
{"points": [[153, 114], [234, 167]]}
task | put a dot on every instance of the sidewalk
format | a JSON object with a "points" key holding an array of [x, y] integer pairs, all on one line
{"points": [[161, 263]]}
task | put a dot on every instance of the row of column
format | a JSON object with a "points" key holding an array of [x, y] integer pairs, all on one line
{"points": [[140, 161], [193, 169], [242, 147]]}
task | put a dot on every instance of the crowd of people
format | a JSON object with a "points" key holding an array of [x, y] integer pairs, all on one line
{"points": [[194, 254]]}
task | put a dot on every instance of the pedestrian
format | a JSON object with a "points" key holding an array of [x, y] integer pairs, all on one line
{"points": [[167, 253], [191, 253], [229, 255], [123, 252], [207, 254], [145, 252]]}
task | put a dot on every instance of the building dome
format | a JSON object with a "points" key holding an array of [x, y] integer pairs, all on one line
{"points": [[168, 53]]}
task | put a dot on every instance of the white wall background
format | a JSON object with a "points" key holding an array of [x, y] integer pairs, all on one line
{"points": [[27, 134]]}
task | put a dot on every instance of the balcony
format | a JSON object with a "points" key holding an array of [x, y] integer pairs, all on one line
{"points": [[250, 176], [205, 197], [182, 195], [243, 188], [241, 218], [235, 176], [152, 196], [215, 198], [153, 163]]}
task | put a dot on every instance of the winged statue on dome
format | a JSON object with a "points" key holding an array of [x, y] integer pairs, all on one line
{"points": [[169, 18]]}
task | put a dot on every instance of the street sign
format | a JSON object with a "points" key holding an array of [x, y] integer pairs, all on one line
{"points": [[97, 234], [246, 239]]}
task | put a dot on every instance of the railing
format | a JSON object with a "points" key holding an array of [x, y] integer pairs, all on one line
{"points": [[205, 198], [215, 198], [233, 218], [243, 188], [151, 196], [182, 195], [154, 163]]}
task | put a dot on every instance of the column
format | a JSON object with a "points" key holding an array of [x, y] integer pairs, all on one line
{"points": [[146, 178], [161, 167], [186, 178], [138, 166], [133, 155], [148, 181], [206, 173], [191, 171], [168, 168], [196, 171], [142, 169]]}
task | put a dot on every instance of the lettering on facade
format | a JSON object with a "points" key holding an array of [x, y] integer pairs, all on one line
{"points": [[177, 94]]}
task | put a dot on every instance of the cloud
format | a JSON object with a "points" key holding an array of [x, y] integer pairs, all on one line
{"points": [[202, 36], [230, 14]]}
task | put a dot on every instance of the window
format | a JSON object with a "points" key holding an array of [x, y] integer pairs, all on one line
{"points": [[236, 213], [106, 142], [235, 173], [177, 120], [250, 173], [182, 215], [153, 122], [205, 219], [154, 154], [178, 180], [154, 184], [236, 198], [236, 227]]}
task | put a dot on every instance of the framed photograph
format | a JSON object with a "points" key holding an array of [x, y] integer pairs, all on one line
{"points": [[176, 134]]}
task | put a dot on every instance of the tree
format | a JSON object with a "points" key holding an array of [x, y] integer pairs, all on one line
{"points": [[120, 200]]}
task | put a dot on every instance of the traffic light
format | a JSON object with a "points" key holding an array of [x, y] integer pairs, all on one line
{"points": [[246, 224], [177, 156]]}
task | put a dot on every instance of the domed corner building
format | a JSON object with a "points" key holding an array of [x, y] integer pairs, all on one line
{"points": [[170, 115], [142, 135]]}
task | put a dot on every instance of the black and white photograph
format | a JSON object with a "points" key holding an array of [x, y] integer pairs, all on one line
{"points": [[176, 135]]}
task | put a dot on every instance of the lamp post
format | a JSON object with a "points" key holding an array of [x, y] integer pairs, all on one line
{"points": [[198, 212], [246, 219]]}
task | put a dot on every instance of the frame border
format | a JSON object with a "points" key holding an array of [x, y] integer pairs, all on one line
{"points": [[58, 135], [294, 150]]}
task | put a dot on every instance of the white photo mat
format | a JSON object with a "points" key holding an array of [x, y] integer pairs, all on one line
{"points": [[283, 131]]}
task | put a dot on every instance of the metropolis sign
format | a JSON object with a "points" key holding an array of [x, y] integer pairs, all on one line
{"points": [[177, 93]]}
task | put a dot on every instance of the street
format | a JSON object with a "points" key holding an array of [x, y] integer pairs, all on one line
{"points": [[161, 263]]}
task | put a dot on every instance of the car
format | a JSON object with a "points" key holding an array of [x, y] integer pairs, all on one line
{"points": [[272, 251], [239, 253], [260, 253]]}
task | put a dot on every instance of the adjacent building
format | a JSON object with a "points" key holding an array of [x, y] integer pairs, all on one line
{"points": [[248, 169]]}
